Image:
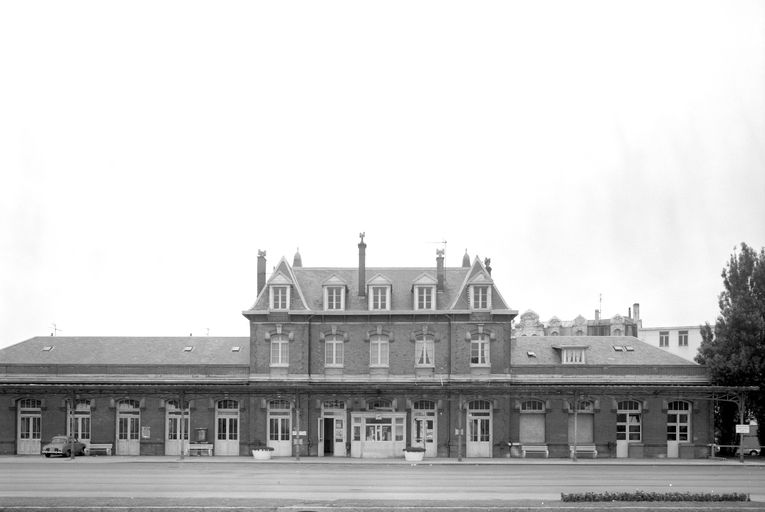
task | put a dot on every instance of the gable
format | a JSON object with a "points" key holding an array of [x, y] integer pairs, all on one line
{"points": [[425, 279]]}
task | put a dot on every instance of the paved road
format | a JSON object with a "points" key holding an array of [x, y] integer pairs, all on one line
{"points": [[380, 482]]}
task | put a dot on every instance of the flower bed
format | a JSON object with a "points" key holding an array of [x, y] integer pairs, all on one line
{"points": [[654, 496]]}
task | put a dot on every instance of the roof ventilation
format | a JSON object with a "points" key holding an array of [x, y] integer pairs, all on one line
{"points": [[629, 348], [531, 354], [188, 349], [618, 348], [236, 349], [47, 348]]}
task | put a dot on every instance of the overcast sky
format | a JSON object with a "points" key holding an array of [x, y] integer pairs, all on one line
{"points": [[149, 149]]}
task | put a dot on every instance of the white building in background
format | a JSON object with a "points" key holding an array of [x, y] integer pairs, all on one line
{"points": [[683, 341]]}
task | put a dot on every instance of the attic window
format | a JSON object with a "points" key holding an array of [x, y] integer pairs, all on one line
{"points": [[47, 348], [573, 355], [531, 354], [629, 348], [236, 349], [188, 349], [618, 348]]}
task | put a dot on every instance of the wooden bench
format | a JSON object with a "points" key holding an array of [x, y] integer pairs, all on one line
{"points": [[200, 448], [94, 448], [584, 449], [534, 448]]}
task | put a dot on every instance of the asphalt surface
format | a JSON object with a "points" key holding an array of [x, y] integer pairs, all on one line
{"points": [[443, 485]]}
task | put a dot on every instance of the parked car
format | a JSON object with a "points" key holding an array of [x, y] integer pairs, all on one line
{"points": [[63, 446]]}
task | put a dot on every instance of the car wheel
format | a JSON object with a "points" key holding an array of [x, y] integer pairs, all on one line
{"points": [[47, 455], [753, 452]]}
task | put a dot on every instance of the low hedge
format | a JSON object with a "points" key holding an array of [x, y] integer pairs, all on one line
{"points": [[654, 496]]}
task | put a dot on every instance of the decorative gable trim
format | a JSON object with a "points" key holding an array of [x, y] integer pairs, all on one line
{"points": [[379, 331], [333, 280], [422, 332], [379, 280], [479, 329], [333, 331], [424, 279], [476, 270], [279, 279], [278, 330]]}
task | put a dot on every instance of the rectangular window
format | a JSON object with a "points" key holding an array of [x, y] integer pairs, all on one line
{"points": [[423, 349], [280, 354], [378, 351], [682, 339], [663, 338], [334, 352], [573, 356], [379, 297], [479, 351], [279, 297], [425, 297], [334, 298], [480, 297]]}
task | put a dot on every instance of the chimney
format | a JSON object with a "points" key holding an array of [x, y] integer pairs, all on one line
{"points": [[629, 313], [440, 270], [636, 314], [261, 270], [597, 314], [362, 266]]}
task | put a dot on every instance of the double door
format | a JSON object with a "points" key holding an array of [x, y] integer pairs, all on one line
{"points": [[28, 442], [227, 433], [128, 433], [478, 435], [279, 435], [332, 436]]}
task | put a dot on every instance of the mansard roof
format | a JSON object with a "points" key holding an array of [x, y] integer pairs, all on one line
{"points": [[309, 281], [124, 350], [599, 352]]}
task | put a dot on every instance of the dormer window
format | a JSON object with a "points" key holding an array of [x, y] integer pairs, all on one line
{"points": [[480, 297], [572, 355], [334, 298], [279, 299], [379, 298], [424, 297]]}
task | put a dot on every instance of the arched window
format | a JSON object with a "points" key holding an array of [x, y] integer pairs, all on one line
{"points": [[678, 421], [533, 406], [30, 403], [282, 405], [227, 404], [424, 405], [629, 421], [479, 405], [379, 404], [334, 404]]}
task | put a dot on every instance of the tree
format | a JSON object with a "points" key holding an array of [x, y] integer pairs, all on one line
{"points": [[734, 351]]}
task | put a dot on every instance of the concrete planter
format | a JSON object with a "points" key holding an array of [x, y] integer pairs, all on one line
{"points": [[414, 456], [262, 454]]}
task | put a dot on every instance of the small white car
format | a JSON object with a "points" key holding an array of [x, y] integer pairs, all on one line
{"points": [[63, 446]]}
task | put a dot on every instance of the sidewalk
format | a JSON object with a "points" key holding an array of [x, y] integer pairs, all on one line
{"points": [[197, 459]]}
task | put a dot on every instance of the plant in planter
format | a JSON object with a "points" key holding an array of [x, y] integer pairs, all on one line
{"points": [[261, 452], [414, 453]]}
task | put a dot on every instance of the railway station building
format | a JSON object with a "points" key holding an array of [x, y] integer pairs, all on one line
{"points": [[362, 362]]}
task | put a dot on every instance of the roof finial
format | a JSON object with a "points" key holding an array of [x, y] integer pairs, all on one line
{"points": [[466, 259]]}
